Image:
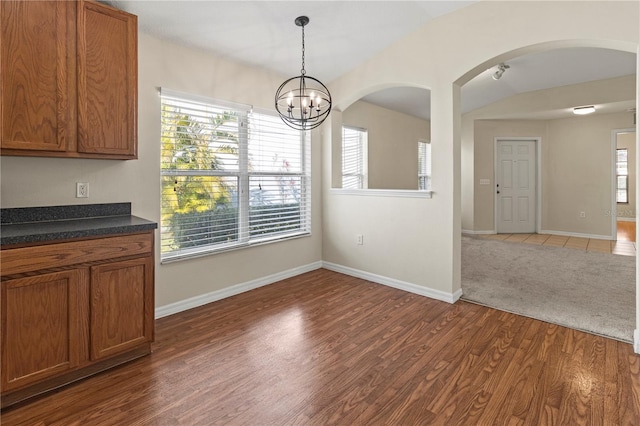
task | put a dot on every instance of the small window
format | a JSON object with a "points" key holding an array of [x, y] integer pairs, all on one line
{"points": [[622, 176], [231, 177], [354, 158], [424, 165]]}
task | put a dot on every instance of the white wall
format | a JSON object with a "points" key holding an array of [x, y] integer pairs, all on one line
{"points": [[576, 166], [50, 181], [441, 56], [577, 172], [392, 144]]}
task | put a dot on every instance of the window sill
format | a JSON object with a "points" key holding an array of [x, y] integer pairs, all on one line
{"points": [[396, 193], [208, 250]]}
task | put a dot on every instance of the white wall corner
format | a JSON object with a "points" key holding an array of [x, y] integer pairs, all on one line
{"points": [[203, 299], [392, 282], [636, 341], [457, 295]]}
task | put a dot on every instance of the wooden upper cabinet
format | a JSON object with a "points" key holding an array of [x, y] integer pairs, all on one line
{"points": [[38, 75], [69, 79], [107, 80]]}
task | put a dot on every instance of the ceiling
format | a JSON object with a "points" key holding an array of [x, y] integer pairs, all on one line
{"points": [[343, 34], [536, 71]]}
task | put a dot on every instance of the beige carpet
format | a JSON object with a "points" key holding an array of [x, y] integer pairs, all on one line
{"points": [[594, 292]]}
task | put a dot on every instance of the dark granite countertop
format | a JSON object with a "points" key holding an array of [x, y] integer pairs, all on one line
{"points": [[46, 224]]}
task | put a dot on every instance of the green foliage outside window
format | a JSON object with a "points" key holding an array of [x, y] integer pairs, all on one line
{"points": [[190, 147], [200, 184]]}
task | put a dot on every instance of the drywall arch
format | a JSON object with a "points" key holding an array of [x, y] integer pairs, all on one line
{"points": [[395, 119], [624, 46], [477, 214], [467, 143], [353, 97]]}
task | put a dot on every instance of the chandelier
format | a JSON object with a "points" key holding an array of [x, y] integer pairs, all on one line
{"points": [[303, 102]]}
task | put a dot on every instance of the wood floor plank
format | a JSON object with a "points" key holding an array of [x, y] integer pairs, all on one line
{"points": [[325, 348]]}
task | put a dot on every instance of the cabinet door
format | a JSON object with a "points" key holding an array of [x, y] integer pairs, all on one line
{"points": [[37, 64], [122, 315], [44, 326], [107, 80]]}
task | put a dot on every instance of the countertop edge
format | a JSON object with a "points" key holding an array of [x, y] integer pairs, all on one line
{"points": [[53, 236]]}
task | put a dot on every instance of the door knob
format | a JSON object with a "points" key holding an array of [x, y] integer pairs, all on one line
{"points": [[497, 192]]}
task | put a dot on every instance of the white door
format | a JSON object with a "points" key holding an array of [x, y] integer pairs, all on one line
{"points": [[516, 186]]}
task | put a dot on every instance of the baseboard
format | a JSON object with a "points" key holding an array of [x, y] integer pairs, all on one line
{"points": [[577, 234], [565, 234], [392, 282], [472, 232], [636, 341], [194, 302]]}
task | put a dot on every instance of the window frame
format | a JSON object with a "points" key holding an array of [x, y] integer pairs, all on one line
{"points": [[243, 174], [426, 176], [622, 175]]}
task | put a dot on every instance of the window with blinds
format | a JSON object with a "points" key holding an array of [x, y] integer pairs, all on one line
{"points": [[424, 165], [354, 158], [231, 177], [622, 176]]}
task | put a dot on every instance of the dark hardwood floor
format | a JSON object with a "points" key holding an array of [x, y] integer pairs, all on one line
{"points": [[325, 348]]}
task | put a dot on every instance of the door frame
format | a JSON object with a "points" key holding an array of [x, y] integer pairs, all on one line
{"points": [[614, 203], [537, 140]]}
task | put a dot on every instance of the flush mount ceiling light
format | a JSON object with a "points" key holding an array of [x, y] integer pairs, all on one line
{"points": [[502, 67], [303, 102], [584, 110]]}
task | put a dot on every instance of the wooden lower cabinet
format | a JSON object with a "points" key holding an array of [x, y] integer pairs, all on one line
{"points": [[63, 325], [120, 299], [44, 323]]}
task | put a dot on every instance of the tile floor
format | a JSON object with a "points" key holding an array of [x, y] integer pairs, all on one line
{"points": [[625, 245]]}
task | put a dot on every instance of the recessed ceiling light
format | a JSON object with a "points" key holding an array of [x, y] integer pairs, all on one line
{"points": [[584, 110]]}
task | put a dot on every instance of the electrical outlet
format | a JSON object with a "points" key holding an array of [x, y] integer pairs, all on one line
{"points": [[583, 214], [359, 239], [82, 189]]}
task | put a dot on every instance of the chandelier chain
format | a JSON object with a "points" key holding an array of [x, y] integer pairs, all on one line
{"points": [[302, 71]]}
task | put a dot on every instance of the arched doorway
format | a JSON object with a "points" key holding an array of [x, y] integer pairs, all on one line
{"points": [[567, 177]]}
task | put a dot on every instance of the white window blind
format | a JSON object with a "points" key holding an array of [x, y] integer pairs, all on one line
{"points": [[354, 158], [622, 176], [424, 165], [231, 177]]}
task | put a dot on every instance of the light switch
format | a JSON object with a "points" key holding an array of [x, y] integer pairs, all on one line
{"points": [[485, 181]]}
